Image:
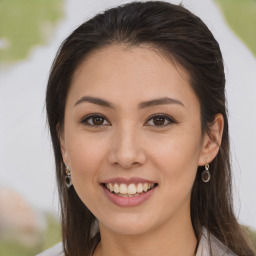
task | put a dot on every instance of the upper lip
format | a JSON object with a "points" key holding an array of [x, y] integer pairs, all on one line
{"points": [[120, 180]]}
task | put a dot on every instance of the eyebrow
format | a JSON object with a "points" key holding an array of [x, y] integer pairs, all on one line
{"points": [[144, 104]]}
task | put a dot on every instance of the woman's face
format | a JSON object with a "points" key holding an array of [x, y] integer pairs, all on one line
{"points": [[132, 125]]}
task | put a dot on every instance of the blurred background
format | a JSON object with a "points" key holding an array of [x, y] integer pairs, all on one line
{"points": [[30, 34]]}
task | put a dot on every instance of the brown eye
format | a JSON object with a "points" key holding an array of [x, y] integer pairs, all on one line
{"points": [[95, 120], [160, 120]]}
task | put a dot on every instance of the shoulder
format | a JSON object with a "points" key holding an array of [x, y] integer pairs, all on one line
{"points": [[209, 242], [56, 250]]}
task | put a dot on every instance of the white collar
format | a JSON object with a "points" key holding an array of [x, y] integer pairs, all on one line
{"points": [[209, 242]]}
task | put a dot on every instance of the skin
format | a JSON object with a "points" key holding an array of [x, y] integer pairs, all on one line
{"points": [[129, 143]]}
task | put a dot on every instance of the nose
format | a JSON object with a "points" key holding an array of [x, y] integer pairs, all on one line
{"points": [[126, 149]]}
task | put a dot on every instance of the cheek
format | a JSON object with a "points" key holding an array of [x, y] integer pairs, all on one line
{"points": [[176, 161], [176, 156], [86, 154]]}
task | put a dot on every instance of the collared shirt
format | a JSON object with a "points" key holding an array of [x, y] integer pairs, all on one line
{"points": [[218, 248], [210, 243]]}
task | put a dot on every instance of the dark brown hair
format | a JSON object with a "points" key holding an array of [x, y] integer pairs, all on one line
{"points": [[185, 40]]}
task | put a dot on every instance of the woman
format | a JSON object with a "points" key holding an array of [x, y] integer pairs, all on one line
{"points": [[136, 109]]}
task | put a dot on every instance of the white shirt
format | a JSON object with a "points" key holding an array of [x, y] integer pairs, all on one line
{"points": [[218, 248]]}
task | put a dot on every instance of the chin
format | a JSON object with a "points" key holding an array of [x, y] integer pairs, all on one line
{"points": [[129, 225]]}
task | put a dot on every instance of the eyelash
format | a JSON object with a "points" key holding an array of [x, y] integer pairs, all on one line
{"points": [[166, 117]]}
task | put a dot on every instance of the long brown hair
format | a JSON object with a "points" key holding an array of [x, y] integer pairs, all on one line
{"points": [[185, 40]]}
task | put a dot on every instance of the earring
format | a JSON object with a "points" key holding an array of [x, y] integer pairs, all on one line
{"points": [[206, 176], [68, 179]]}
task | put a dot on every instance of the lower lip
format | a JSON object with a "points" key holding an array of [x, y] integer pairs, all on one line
{"points": [[128, 201]]}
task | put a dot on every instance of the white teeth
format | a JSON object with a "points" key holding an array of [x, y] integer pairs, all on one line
{"points": [[111, 188], [123, 189], [129, 190], [139, 188], [145, 186], [116, 188]]}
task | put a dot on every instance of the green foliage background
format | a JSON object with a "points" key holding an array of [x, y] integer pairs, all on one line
{"points": [[241, 17], [26, 23], [23, 25], [51, 236]]}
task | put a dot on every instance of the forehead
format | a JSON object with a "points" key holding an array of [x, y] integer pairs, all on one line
{"points": [[122, 72], [136, 59]]}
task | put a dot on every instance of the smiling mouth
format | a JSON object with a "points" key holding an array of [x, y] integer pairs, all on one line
{"points": [[129, 190]]}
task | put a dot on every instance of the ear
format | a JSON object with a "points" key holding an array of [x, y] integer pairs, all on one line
{"points": [[60, 133], [212, 141]]}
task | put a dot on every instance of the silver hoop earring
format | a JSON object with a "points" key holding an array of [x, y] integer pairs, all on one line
{"points": [[68, 179], [206, 176]]}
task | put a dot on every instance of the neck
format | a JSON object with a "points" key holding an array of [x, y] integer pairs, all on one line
{"points": [[174, 238]]}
